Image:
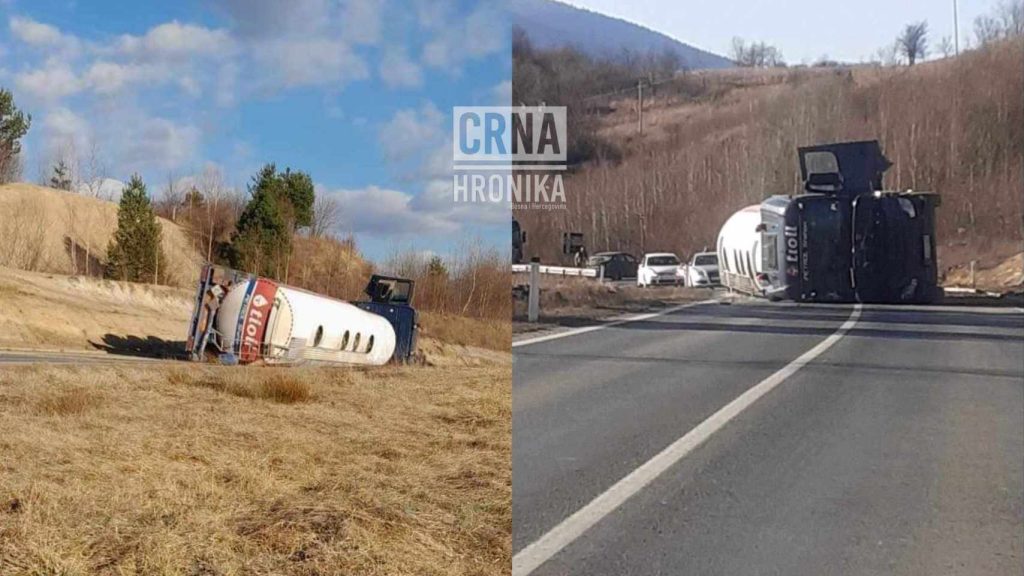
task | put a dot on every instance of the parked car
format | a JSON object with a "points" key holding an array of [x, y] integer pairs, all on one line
{"points": [[701, 271], [617, 265], [658, 269]]}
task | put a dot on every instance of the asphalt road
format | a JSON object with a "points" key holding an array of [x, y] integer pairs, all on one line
{"points": [[895, 445], [21, 357]]}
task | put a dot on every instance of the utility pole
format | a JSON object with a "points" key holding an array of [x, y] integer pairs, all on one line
{"points": [[956, 30], [640, 106]]}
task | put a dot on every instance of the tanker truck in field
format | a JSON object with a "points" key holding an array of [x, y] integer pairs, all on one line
{"points": [[843, 239], [240, 318]]}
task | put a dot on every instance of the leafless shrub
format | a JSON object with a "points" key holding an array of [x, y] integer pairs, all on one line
{"points": [[23, 235], [285, 389], [263, 384], [473, 281], [756, 54]]}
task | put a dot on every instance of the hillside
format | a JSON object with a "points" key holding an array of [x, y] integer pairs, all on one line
{"points": [[50, 230], [717, 141], [551, 24]]}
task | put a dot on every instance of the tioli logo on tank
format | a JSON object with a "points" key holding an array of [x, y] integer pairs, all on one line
{"points": [[256, 320]]}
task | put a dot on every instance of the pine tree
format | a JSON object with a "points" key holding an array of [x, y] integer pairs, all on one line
{"points": [[280, 203], [135, 253], [61, 179], [436, 268], [13, 125]]}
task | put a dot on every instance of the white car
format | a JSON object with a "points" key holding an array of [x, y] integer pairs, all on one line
{"points": [[701, 271], [658, 269]]}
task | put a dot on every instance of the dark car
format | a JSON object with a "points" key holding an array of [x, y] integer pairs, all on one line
{"points": [[617, 265]]}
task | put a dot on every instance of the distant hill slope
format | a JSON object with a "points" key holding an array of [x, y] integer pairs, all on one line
{"points": [[48, 230], [550, 24]]}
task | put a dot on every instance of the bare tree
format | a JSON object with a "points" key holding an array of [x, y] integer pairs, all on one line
{"points": [[172, 198], [326, 215], [913, 42], [211, 186], [756, 54], [91, 172], [889, 55], [986, 30], [946, 47], [1011, 18]]}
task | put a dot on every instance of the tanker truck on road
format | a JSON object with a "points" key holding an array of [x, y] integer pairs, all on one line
{"points": [[242, 319], [844, 239]]}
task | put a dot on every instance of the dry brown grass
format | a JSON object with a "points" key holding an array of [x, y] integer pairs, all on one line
{"points": [[48, 310], [50, 230], [482, 333], [68, 402], [277, 386], [157, 470], [579, 297]]}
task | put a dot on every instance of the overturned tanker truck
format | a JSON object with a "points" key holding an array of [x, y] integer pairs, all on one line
{"points": [[243, 319], [843, 239]]}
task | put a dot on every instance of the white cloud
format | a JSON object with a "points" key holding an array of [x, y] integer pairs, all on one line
{"points": [[105, 77], [309, 62], [385, 212], [398, 71], [477, 35], [410, 131], [502, 93], [45, 38], [108, 189], [159, 143], [437, 198], [272, 18], [433, 14], [56, 80], [173, 40], [361, 21], [34, 33], [64, 132]]}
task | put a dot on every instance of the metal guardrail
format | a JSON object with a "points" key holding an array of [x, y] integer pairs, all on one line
{"points": [[535, 269], [557, 270]]}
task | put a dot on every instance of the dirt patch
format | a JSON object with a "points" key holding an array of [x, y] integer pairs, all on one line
{"points": [[1006, 276]]}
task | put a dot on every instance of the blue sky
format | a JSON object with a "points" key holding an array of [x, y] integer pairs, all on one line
{"points": [[805, 30], [356, 92]]}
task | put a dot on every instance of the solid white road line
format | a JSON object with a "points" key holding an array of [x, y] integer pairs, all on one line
{"points": [[532, 556], [585, 329]]}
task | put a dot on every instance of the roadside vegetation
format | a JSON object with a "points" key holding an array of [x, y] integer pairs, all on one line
{"points": [[569, 301], [163, 470]]}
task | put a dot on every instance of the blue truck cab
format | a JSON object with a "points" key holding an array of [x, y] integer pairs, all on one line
{"points": [[391, 298]]}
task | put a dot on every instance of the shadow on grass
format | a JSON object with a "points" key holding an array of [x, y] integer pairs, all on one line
{"points": [[149, 346]]}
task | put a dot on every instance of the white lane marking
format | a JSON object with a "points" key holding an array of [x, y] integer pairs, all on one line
{"points": [[585, 329], [543, 549], [919, 308]]}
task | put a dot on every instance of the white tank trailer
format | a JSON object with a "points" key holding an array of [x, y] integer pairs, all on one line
{"points": [[739, 251], [248, 319]]}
